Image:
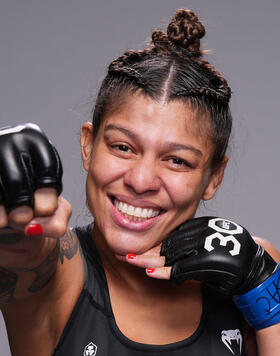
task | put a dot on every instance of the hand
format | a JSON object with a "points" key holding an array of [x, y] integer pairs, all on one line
{"points": [[215, 251], [30, 176], [218, 252]]}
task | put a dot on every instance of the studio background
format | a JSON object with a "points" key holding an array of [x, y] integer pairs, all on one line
{"points": [[54, 55]]}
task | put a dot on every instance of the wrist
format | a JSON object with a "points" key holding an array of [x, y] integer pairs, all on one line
{"points": [[261, 305]]}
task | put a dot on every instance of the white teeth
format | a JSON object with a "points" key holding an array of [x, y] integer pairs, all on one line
{"points": [[135, 213], [124, 208], [154, 214], [144, 213], [130, 210]]}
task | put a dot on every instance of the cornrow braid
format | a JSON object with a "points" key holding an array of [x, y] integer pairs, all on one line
{"points": [[123, 65], [204, 91], [172, 67], [129, 72], [129, 57], [223, 90]]}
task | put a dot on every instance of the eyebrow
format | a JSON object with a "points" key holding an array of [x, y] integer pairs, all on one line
{"points": [[168, 146], [122, 129]]}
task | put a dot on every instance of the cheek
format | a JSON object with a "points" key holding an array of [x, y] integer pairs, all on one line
{"points": [[104, 170], [185, 189]]}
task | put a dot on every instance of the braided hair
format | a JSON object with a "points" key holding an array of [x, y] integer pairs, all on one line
{"points": [[172, 67]]}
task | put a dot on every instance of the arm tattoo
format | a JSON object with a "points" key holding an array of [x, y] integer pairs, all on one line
{"points": [[65, 247], [45, 270], [7, 286], [68, 246], [9, 277]]}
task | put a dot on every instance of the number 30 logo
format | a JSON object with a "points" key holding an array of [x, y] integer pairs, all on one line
{"points": [[225, 226]]}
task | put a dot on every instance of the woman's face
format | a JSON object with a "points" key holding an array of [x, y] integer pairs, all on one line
{"points": [[148, 168]]}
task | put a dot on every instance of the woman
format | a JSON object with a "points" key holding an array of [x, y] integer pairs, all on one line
{"points": [[156, 148]]}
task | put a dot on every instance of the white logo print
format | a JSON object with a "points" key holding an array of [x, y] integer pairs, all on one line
{"points": [[7, 130], [90, 350], [233, 340], [225, 226]]}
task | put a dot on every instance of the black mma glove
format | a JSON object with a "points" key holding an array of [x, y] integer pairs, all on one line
{"points": [[219, 253], [28, 161]]}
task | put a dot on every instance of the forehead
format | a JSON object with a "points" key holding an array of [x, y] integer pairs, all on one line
{"points": [[159, 121]]}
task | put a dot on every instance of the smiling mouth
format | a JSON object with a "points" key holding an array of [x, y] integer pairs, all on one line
{"points": [[135, 213]]}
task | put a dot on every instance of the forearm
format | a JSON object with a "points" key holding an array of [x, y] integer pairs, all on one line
{"points": [[268, 341], [27, 264], [23, 274], [52, 294]]}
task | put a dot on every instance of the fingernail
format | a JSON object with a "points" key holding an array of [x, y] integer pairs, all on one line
{"points": [[131, 256], [34, 230], [150, 270]]}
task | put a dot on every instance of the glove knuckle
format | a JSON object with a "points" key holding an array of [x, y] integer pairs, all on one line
{"points": [[27, 161]]}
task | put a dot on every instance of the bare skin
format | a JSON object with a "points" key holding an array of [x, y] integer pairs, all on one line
{"points": [[42, 277], [37, 295]]}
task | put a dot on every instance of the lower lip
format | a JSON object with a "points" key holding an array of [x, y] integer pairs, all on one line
{"points": [[13, 250], [124, 222]]}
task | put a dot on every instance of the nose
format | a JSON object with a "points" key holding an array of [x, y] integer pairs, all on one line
{"points": [[143, 177]]}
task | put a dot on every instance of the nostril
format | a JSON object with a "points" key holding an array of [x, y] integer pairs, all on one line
{"points": [[142, 178]]}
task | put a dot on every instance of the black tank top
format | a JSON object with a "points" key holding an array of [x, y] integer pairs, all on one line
{"points": [[92, 329]]}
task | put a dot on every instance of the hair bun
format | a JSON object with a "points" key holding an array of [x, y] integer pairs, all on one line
{"points": [[185, 30], [161, 41]]}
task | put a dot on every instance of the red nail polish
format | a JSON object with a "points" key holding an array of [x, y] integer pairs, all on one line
{"points": [[150, 270], [131, 256], [34, 230]]}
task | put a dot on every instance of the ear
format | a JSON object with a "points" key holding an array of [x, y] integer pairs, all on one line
{"points": [[86, 141], [215, 181]]}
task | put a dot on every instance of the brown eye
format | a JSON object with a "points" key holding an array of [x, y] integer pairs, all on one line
{"points": [[180, 162], [123, 148], [177, 161]]}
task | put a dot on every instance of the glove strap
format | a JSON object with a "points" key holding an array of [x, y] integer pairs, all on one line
{"points": [[261, 305]]}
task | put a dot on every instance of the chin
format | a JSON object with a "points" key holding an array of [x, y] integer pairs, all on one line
{"points": [[124, 243]]}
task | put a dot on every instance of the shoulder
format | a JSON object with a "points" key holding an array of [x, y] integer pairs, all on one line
{"points": [[269, 247]]}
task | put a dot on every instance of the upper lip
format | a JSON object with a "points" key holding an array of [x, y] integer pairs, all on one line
{"points": [[136, 202]]}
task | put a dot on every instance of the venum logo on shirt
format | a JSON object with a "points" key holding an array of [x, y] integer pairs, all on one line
{"points": [[90, 350], [233, 340]]}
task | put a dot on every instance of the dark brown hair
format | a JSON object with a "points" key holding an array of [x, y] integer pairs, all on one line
{"points": [[172, 68]]}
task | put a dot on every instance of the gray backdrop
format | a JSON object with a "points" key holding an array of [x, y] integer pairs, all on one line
{"points": [[53, 57]]}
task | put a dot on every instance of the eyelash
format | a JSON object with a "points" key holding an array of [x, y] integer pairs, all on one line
{"points": [[126, 149], [183, 162], [121, 145]]}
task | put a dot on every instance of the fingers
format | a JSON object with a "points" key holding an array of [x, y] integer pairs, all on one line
{"points": [[145, 261], [45, 204], [152, 262], [159, 273], [21, 215], [51, 226], [45, 201], [51, 219], [3, 217]]}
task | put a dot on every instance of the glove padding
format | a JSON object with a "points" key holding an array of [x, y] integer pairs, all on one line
{"points": [[219, 253], [28, 161]]}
